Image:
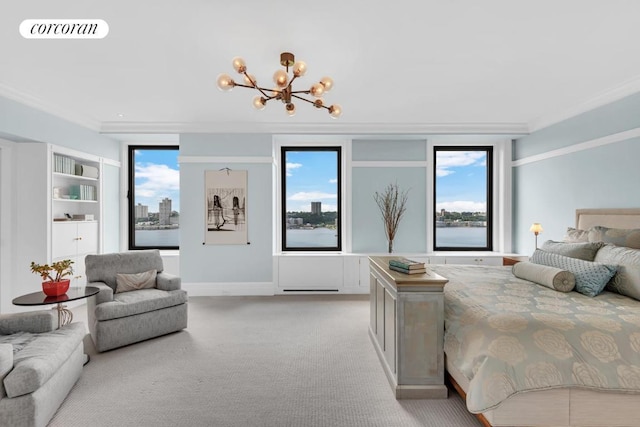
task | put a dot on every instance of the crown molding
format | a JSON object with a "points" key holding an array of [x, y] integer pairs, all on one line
{"points": [[515, 129], [616, 93], [38, 104]]}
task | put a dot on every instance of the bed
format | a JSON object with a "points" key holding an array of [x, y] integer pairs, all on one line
{"points": [[526, 355]]}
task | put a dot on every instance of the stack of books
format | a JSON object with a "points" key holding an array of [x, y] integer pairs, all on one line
{"points": [[407, 266]]}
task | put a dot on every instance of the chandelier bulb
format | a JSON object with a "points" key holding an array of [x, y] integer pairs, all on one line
{"points": [[280, 78], [327, 83], [225, 82], [335, 110], [318, 103], [259, 103], [250, 80], [239, 65], [299, 68], [317, 90], [291, 109]]}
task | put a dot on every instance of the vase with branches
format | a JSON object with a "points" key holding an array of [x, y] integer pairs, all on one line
{"points": [[392, 202]]}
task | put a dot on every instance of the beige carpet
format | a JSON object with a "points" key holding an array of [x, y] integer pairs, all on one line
{"points": [[252, 361]]}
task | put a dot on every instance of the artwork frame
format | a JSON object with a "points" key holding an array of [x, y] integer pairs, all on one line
{"points": [[225, 204]]}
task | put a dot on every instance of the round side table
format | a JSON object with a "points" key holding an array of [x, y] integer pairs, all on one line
{"points": [[65, 316]]}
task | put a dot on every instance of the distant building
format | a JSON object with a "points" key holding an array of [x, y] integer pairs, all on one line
{"points": [[294, 221], [316, 208], [142, 211], [165, 212]]}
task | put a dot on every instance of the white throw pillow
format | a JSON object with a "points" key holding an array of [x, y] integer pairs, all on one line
{"points": [[135, 281]]}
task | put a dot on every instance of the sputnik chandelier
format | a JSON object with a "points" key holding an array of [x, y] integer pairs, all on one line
{"points": [[283, 91]]}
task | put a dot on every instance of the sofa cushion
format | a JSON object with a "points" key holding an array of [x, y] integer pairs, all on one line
{"points": [[627, 279], [126, 282], [41, 358], [591, 277], [135, 302], [6, 364]]}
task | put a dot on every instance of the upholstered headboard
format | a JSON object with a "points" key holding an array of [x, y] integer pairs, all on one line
{"points": [[612, 218]]}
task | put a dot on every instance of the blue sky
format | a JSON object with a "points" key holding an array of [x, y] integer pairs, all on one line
{"points": [[461, 184], [157, 177], [311, 177]]}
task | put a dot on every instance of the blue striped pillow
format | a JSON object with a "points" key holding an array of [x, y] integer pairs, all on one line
{"points": [[591, 277]]}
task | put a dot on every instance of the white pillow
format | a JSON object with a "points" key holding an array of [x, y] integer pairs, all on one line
{"points": [[135, 281], [551, 277]]}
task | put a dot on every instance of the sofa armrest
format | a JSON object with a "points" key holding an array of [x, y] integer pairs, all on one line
{"points": [[29, 321], [167, 281], [105, 294]]}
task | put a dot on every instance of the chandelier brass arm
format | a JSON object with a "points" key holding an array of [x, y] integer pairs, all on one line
{"points": [[283, 90]]}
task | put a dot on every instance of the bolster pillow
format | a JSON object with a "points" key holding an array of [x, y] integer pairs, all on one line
{"points": [[551, 277]]}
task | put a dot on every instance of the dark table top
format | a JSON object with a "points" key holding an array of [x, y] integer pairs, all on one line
{"points": [[39, 298]]}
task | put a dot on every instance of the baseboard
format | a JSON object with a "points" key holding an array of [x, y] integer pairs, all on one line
{"points": [[253, 288], [230, 289]]}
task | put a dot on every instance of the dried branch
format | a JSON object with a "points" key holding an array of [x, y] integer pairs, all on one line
{"points": [[392, 203]]}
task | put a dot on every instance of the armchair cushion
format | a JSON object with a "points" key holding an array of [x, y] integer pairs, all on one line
{"points": [[137, 302]]}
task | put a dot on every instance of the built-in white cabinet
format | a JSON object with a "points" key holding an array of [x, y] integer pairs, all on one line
{"points": [[473, 260], [74, 240], [57, 209]]}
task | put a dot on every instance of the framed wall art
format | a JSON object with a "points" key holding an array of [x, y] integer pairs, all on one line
{"points": [[226, 207]]}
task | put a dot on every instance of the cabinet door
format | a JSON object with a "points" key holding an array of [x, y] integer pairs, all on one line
{"points": [[390, 330], [65, 243], [373, 284], [87, 237]]}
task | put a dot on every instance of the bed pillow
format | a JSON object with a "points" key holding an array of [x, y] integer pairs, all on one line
{"points": [[583, 250], [618, 236], [551, 277], [627, 279], [591, 277], [136, 281], [574, 235]]}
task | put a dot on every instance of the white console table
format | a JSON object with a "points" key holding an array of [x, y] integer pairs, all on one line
{"points": [[407, 329]]}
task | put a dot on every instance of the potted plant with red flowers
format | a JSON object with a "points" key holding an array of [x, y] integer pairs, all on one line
{"points": [[53, 276]]}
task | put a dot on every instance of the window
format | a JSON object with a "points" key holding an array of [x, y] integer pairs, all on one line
{"points": [[463, 198], [311, 198], [154, 197]]}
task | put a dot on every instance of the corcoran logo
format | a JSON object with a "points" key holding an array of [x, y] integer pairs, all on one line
{"points": [[64, 29]]}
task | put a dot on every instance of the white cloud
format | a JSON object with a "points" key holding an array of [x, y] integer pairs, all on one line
{"points": [[333, 181], [462, 206], [159, 181], [451, 159], [313, 195], [289, 166]]}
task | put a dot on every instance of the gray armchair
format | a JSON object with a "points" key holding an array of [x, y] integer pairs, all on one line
{"points": [[117, 319]]}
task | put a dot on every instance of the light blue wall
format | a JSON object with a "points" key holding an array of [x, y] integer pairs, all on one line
{"points": [[549, 191], [368, 229], [388, 150], [226, 263], [19, 122]]}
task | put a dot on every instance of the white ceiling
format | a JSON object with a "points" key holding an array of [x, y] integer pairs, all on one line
{"points": [[492, 66]]}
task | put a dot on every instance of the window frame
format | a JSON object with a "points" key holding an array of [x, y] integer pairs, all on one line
{"points": [[283, 199], [131, 194], [489, 150]]}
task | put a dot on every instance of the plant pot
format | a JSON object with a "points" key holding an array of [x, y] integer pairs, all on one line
{"points": [[54, 289]]}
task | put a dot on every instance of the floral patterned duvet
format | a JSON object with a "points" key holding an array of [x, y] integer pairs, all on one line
{"points": [[508, 335]]}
